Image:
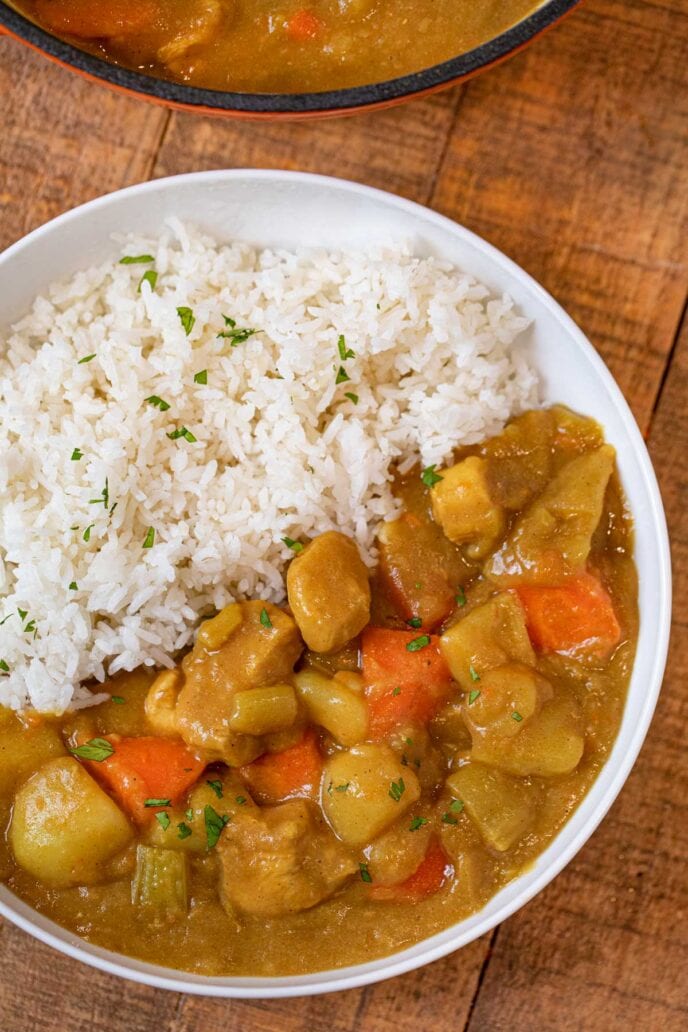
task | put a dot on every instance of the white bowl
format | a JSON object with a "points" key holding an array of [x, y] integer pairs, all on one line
{"points": [[294, 209]]}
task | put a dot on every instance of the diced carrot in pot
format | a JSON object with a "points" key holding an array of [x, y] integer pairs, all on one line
{"points": [[304, 25], [574, 617], [295, 771], [426, 880], [406, 678]]}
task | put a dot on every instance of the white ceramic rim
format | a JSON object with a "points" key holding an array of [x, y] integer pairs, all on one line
{"points": [[442, 943]]}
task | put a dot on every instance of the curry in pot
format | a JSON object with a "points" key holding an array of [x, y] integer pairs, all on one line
{"points": [[282, 46], [322, 783]]}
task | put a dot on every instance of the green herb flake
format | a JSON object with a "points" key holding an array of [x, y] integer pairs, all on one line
{"points": [[183, 830], [150, 538], [474, 675], [136, 259], [6, 619], [343, 787], [4, 667], [30, 627], [157, 802], [163, 820], [23, 613], [158, 403], [216, 787], [214, 823], [97, 749], [189, 814], [265, 618], [201, 377], [186, 318], [241, 800], [87, 533], [448, 819], [181, 431], [77, 454], [408, 741], [418, 643], [73, 586], [352, 397], [86, 358], [118, 700], [517, 717], [417, 822], [460, 597], [342, 375], [365, 874], [104, 499], [397, 690], [456, 805], [475, 694], [150, 277], [396, 790], [429, 477], [229, 322], [415, 622], [295, 546], [344, 352], [233, 335]]}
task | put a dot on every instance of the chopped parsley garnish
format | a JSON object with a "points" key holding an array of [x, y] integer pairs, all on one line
{"points": [[397, 789], [265, 618], [150, 277], [86, 358], [352, 397], [214, 823], [158, 403], [163, 820], [233, 335], [183, 830], [448, 819], [429, 477], [136, 259], [415, 622], [344, 352], [409, 741], [6, 619], [241, 800], [181, 431], [4, 667], [475, 694], [460, 597], [150, 538], [97, 749], [418, 643], [201, 377], [31, 626], [295, 546], [73, 586], [456, 805], [397, 690], [517, 717], [104, 499], [229, 322], [343, 787], [189, 814], [23, 613], [342, 375], [474, 675], [216, 787], [187, 319], [365, 873], [157, 802], [118, 700], [77, 454], [417, 822], [87, 533]]}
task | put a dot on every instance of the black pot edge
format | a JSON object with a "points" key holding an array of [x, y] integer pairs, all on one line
{"points": [[287, 103]]}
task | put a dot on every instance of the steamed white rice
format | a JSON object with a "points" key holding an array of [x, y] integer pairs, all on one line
{"points": [[280, 450]]}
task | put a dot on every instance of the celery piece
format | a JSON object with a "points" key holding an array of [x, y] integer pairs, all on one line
{"points": [[160, 879]]}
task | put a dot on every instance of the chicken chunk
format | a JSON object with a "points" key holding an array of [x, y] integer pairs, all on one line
{"points": [[329, 592], [462, 505], [280, 860], [551, 540]]}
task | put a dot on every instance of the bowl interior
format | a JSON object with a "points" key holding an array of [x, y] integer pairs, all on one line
{"points": [[293, 210]]}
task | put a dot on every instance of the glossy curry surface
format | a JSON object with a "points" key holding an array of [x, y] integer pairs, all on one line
{"points": [[325, 783], [277, 46]]}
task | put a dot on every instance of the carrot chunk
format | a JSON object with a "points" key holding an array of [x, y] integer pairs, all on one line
{"points": [[88, 20], [146, 768], [426, 880], [295, 771], [304, 25], [572, 617], [406, 678]]}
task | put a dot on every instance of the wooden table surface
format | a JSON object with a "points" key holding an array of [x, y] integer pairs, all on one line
{"points": [[573, 159]]}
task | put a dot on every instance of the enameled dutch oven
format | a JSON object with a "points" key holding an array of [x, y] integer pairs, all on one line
{"points": [[283, 105]]}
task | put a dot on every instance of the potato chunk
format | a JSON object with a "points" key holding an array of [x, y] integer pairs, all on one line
{"points": [[23, 749], [329, 592], [333, 706], [280, 860], [499, 805], [358, 797], [462, 505], [487, 637], [505, 699], [551, 539], [549, 744], [64, 827]]}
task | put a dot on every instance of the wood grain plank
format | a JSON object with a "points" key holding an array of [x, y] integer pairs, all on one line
{"points": [[397, 150], [606, 945], [64, 140], [572, 159]]}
